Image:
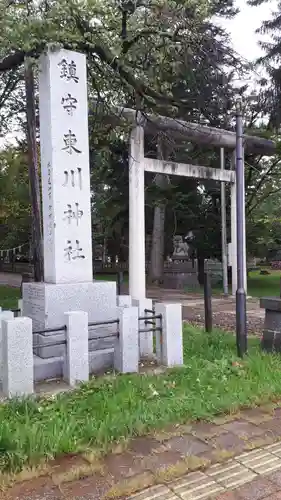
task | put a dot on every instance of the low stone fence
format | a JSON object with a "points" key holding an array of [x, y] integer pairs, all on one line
{"points": [[16, 267], [73, 351]]}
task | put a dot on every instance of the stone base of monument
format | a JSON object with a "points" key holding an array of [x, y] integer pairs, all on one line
{"points": [[271, 338], [46, 304], [181, 273], [180, 281], [52, 368]]}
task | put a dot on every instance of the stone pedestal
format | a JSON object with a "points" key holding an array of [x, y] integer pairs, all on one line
{"points": [[271, 338], [46, 303], [181, 273]]}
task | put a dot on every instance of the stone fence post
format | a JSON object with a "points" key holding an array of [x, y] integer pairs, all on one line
{"points": [[169, 346], [126, 352], [271, 337], [3, 315], [76, 364], [17, 351]]}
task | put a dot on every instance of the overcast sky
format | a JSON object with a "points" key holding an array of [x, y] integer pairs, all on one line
{"points": [[242, 28]]}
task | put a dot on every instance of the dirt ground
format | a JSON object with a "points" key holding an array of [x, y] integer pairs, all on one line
{"points": [[223, 309], [224, 314]]}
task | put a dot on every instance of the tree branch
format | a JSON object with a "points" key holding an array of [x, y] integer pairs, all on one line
{"points": [[13, 61]]}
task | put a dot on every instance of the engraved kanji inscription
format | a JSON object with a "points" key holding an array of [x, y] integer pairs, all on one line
{"points": [[73, 178], [68, 70], [73, 213], [73, 252], [70, 142], [69, 104]]}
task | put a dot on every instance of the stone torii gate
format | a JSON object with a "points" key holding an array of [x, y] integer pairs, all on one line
{"points": [[138, 164]]}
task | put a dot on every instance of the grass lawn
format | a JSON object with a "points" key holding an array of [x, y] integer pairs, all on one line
{"points": [[261, 286], [113, 408], [9, 297]]}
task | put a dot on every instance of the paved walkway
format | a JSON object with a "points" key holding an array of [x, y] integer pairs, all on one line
{"points": [[237, 457], [251, 476], [10, 279]]}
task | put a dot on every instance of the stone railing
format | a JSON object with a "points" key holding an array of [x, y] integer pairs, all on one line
{"points": [[77, 349]]}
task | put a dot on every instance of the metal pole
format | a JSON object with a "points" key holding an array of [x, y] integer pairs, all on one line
{"points": [[208, 303], [241, 319], [223, 229], [119, 282]]}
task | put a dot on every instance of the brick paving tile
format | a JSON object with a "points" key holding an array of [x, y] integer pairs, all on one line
{"points": [[63, 464], [229, 495], [273, 426], [229, 442], [275, 478], [143, 446], [277, 412], [204, 430], [91, 488], [123, 465], [231, 474], [41, 488], [256, 490], [160, 461], [275, 496], [243, 429], [188, 445], [260, 461], [256, 416], [275, 448], [195, 486]]}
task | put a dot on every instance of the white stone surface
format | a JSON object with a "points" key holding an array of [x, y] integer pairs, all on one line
{"points": [[188, 170], [76, 367], [65, 167], [17, 357], [20, 307], [126, 353], [46, 303], [145, 339], [3, 315], [124, 300], [136, 215], [171, 341]]}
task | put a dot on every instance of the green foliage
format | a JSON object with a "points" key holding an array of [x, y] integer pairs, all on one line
{"points": [[165, 56], [15, 212]]}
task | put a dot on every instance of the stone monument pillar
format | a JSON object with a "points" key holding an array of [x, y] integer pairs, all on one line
{"points": [[65, 173]]}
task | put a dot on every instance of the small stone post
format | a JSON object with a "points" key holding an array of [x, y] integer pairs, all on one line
{"points": [[124, 301], [126, 352], [76, 365], [170, 351], [18, 379], [145, 339], [271, 338], [3, 315]]}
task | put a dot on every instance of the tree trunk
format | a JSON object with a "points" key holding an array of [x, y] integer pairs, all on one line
{"points": [[201, 269], [156, 270], [33, 174], [158, 238]]}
